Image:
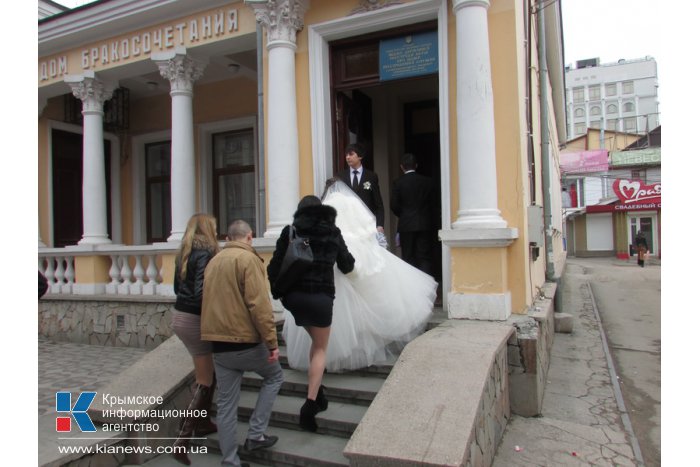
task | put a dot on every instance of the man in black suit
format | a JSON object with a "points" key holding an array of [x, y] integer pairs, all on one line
{"points": [[363, 182], [412, 198]]}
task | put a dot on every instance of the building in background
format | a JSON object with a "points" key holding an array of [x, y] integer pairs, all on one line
{"points": [[620, 96], [614, 191]]}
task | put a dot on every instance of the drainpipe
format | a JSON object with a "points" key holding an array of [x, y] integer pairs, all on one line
{"points": [[262, 217], [544, 129]]}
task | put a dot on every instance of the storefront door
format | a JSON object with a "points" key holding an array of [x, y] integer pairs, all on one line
{"points": [[646, 222]]}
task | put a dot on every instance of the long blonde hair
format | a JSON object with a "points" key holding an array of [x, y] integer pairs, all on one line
{"points": [[201, 229]]}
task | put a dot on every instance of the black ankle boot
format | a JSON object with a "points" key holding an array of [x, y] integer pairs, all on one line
{"points": [[307, 415], [321, 399]]}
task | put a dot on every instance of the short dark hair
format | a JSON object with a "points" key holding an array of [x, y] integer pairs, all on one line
{"points": [[309, 200], [408, 161], [357, 148]]}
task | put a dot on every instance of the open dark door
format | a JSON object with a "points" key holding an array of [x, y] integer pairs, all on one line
{"points": [[353, 124]]}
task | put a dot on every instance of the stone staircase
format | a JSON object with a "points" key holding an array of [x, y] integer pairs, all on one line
{"points": [[349, 396]]}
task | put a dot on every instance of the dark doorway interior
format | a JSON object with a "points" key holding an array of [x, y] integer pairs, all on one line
{"points": [[354, 125], [389, 116], [422, 138], [67, 193]]}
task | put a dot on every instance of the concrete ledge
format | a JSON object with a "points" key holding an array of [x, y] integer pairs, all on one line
{"points": [[529, 354], [445, 402], [564, 323], [489, 307], [159, 373]]}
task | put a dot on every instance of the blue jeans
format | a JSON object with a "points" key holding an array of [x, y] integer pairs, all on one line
{"points": [[230, 367]]}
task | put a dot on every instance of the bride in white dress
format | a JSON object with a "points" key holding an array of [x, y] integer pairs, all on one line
{"points": [[379, 307]]}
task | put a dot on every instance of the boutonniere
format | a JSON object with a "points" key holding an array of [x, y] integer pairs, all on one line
{"points": [[367, 185]]}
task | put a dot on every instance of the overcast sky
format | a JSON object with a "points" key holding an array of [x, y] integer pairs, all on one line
{"points": [[611, 30]]}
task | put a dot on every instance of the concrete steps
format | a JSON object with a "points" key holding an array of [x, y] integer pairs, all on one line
{"points": [[349, 396]]}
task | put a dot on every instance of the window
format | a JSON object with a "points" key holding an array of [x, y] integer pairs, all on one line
{"points": [[578, 95], [611, 109], [611, 89], [611, 124], [579, 112], [595, 110], [628, 107], [594, 124], [580, 128], [640, 174], [628, 87], [158, 220], [234, 178], [630, 124], [594, 93]]}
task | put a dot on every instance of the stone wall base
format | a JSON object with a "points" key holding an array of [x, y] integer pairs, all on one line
{"points": [[110, 321], [529, 352]]}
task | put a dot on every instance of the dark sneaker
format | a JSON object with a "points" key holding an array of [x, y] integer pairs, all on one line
{"points": [[266, 442]]}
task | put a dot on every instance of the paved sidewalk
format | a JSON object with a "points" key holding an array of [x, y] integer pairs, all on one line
{"points": [[64, 366], [581, 423]]}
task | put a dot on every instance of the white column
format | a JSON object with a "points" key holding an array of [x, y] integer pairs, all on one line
{"points": [[93, 92], [476, 140], [182, 71], [282, 19]]}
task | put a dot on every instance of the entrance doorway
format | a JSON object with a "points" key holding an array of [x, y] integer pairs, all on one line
{"points": [[645, 222], [389, 117], [67, 193]]}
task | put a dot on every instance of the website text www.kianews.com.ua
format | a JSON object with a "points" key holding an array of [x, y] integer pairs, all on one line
{"points": [[118, 449]]}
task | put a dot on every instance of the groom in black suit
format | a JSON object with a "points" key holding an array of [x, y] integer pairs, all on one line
{"points": [[412, 201], [363, 182]]}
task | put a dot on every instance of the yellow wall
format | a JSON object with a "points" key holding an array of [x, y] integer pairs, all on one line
{"points": [[614, 141], [480, 270], [508, 70]]}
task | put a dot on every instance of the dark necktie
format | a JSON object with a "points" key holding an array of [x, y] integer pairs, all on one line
{"points": [[355, 181]]}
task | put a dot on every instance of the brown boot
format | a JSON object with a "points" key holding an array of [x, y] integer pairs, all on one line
{"points": [[204, 425], [188, 424]]}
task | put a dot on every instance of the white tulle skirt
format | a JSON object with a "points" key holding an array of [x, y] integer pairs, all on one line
{"points": [[374, 316]]}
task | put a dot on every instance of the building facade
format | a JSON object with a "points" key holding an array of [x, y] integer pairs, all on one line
{"points": [[620, 96], [612, 193], [151, 111]]}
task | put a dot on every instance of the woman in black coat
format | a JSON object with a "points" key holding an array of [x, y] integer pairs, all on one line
{"points": [[310, 298], [640, 242]]}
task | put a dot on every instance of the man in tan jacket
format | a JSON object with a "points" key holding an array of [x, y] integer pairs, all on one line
{"points": [[237, 317]]}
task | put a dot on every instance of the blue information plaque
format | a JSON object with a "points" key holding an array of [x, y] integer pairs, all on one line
{"points": [[409, 55]]}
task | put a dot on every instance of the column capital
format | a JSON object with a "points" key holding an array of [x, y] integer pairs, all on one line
{"points": [[91, 90], [180, 69], [281, 18], [459, 4]]}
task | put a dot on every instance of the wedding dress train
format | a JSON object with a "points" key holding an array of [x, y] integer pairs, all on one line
{"points": [[379, 307]]}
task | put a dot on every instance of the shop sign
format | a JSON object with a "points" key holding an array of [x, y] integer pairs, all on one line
{"points": [[407, 56], [596, 208], [584, 161], [637, 192], [647, 156]]}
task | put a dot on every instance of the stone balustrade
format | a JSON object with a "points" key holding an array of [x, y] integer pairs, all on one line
{"points": [[134, 270]]}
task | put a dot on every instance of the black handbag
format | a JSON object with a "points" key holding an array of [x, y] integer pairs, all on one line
{"points": [[297, 260]]}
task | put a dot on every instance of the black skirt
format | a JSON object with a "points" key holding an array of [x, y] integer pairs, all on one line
{"points": [[310, 309]]}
